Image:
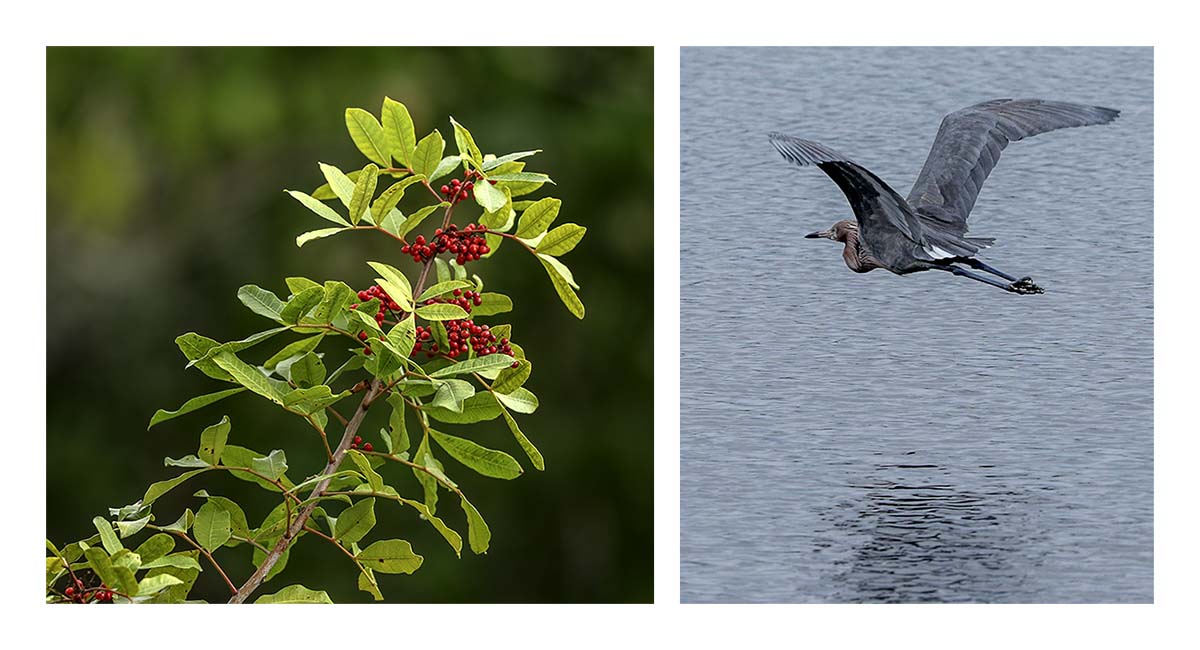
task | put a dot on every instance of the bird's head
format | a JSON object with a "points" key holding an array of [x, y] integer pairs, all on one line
{"points": [[839, 231]]}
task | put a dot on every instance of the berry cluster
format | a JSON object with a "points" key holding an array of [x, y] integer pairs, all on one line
{"points": [[467, 244], [459, 190], [386, 304], [460, 335], [79, 594], [354, 444]]}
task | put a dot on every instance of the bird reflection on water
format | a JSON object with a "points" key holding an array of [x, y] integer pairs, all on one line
{"points": [[920, 538]]}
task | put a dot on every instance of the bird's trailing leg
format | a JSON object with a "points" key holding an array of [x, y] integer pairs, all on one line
{"points": [[1022, 286]]}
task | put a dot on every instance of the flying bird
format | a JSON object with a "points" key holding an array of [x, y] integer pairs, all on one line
{"points": [[928, 230]]}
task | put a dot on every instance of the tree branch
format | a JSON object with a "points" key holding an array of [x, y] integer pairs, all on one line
{"points": [[256, 579]]}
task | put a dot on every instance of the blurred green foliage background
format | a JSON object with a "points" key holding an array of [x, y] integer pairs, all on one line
{"points": [[165, 179]]}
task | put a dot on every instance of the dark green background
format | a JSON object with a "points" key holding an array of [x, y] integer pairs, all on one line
{"points": [[165, 179]]}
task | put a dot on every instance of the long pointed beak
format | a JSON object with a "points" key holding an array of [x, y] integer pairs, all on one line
{"points": [[817, 235]]}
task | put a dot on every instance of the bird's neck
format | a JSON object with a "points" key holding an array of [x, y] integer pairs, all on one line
{"points": [[856, 257]]}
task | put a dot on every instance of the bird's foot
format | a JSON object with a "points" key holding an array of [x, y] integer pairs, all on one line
{"points": [[1025, 286]]}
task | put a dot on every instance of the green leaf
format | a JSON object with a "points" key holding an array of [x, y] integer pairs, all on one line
{"points": [[488, 462], [368, 136], [162, 487], [424, 457], [295, 595], [238, 346], [532, 452], [387, 358], [248, 376], [396, 278], [429, 154], [496, 162], [450, 535], [443, 270], [307, 371], [398, 131], [521, 177], [364, 467], [235, 456], [178, 560], [491, 304], [466, 143], [560, 268], [441, 311], [195, 347], [108, 536], [341, 185], [322, 210], [478, 408], [441, 288], [355, 522], [193, 404], [367, 583], [417, 217], [100, 563], [292, 349], [387, 201], [151, 585], [130, 528], [158, 545], [212, 441], [273, 464], [510, 378], [237, 517], [337, 296], [183, 523], [403, 335], [300, 304], [478, 533], [212, 528], [296, 284], [390, 556], [519, 400], [448, 164], [477, 364], [451, 394], [364, 191], [537, 217], [489, 197], [187, 461], [565, 293], [303, 239], [260, 301], [397, 439], [562, 239]]}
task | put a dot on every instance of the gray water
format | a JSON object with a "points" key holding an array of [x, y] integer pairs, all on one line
{"points": [[927, 438]]}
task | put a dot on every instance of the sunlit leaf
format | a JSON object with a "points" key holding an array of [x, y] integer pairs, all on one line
{"points": [[478, 533], [562, 239], [364, 191], [300, 304], [212, 528], [317, 234], [538, 217], [398, 131], [261, 301], [563, 288], [355, 522], [428, 154], [368, 136]]}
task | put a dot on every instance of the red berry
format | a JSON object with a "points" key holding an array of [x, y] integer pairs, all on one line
{"points": [[469, 186], [353, 446], [515, 364], [70, 591], [445, 189], [367, 447], [362, 336], [367, 351], [462, 195], [358, 440]]}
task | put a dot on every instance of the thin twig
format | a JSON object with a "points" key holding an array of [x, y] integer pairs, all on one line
{"points": [[204, 551]]}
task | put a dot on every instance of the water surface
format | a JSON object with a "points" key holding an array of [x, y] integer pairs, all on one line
{"points": [[877, 438]]}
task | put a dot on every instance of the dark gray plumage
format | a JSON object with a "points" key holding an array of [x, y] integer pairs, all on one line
{"points": [[928, 230]]}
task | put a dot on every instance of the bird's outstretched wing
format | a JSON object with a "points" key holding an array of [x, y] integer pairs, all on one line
{"points": [[878, 208], [969, 143]]}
